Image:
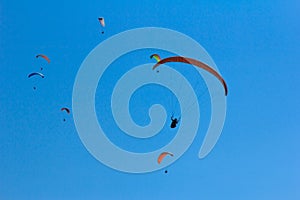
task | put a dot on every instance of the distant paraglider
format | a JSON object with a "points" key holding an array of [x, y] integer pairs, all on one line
{"points": [[36, 74], [157, 58], [43, 56], [102, 22], [195, 63], [67, 110], [162, 156]]}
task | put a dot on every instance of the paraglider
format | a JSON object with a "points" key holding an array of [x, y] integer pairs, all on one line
{"points": [[43, 56], [162, 156], [157, 58], [67, 110], [102, 22], [195, 63], [36, 74]]}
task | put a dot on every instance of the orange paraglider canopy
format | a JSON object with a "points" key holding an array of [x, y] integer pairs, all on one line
{"points": [[162, 156], [43, 56], [195, 63]]}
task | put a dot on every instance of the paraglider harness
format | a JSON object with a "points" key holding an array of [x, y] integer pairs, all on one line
{"points": [[174, 121]]}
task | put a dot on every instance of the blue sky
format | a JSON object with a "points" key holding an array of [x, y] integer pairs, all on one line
{"points": [[256, 48]]}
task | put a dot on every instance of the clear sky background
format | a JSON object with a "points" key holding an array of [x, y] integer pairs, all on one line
{"points": [[256, 46]]}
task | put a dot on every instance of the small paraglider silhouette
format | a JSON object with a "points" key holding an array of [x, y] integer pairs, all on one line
{"points": [[36, 74], [157, 58], [102, 22], [67, 110], [43, 56]]}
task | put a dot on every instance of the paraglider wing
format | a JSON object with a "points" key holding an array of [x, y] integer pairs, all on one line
{"points": [[66, 109], [195, 63], [156, 57], [43, 56], [36, 74], [101, 20], [162, 156]]}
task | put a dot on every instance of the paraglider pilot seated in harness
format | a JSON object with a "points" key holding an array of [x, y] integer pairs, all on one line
{"points": [[174, 121]]}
